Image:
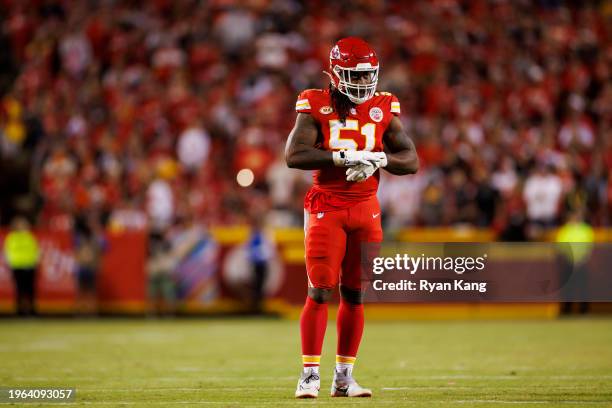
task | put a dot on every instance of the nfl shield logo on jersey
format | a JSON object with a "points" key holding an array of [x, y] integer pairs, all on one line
{"points": [[376, 114], [326, 110]]}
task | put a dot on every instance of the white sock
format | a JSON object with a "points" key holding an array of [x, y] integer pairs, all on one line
{"points": [[345, 363], [314, 368], [340, 367]]}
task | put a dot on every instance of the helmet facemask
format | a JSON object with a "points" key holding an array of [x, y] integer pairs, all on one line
{"points": [[349, 81]]}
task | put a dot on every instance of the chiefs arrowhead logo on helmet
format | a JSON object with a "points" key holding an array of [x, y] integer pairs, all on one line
{"points": [[335, 53], [354, 69]]}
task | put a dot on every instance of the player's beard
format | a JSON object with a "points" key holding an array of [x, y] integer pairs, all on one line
{"points": [[341, 103]]}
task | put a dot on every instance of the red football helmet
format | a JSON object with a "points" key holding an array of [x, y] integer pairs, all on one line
{"points": [[354, 69]]}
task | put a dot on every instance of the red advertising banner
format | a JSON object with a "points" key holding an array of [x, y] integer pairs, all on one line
{"points": [[122, 279]]}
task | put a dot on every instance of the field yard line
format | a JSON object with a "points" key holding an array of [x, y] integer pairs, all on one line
{"points": [[445, 387], [328, 402], [526, 402], [227, 377], [143, 389], [502, 377], [430, 388], [67, 378], [164, 379], [406, 377], [441, 377], [180, 389], [454, 387], [282, 401]]}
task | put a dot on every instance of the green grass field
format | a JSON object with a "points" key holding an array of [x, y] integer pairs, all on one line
{"points": [[166, 363]]}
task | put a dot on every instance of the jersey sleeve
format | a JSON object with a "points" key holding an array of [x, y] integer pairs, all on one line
{"points": [[302, 105], [395, 106]]}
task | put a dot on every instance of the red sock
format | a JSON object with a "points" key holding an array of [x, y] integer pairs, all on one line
{"points": [[313, 323], [350, 328]]}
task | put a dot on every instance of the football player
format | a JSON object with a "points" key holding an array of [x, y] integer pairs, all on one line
{"points": [[346, 133]]}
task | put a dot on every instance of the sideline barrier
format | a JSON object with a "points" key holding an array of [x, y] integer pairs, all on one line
{"points": [[123, 282]]}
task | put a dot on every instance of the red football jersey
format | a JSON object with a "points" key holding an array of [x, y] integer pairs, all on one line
{"points": [[362, 130]]}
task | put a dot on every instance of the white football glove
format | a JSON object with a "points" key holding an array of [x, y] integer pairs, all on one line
{"points": [[348, 158], [378, 159], [364, 169], [360, 172]]}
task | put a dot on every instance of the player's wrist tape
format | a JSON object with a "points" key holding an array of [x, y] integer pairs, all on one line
{"points": [[339, 158], [343, 159]]}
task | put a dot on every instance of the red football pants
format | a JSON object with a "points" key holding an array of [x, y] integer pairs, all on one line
{"points": [[334, 243]]}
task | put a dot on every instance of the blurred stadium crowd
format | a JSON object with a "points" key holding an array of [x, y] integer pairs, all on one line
{"points": [[130, 112]]}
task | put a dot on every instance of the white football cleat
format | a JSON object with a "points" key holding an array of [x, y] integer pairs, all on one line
{"points": [[344, 385], [308, 385]]}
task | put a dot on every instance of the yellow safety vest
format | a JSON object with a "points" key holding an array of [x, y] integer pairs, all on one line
{"points": [[21, 250], [579, 236]]}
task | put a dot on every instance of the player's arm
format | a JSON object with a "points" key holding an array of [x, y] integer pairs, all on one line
{"points": [[300, 150], [401, 153]]}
